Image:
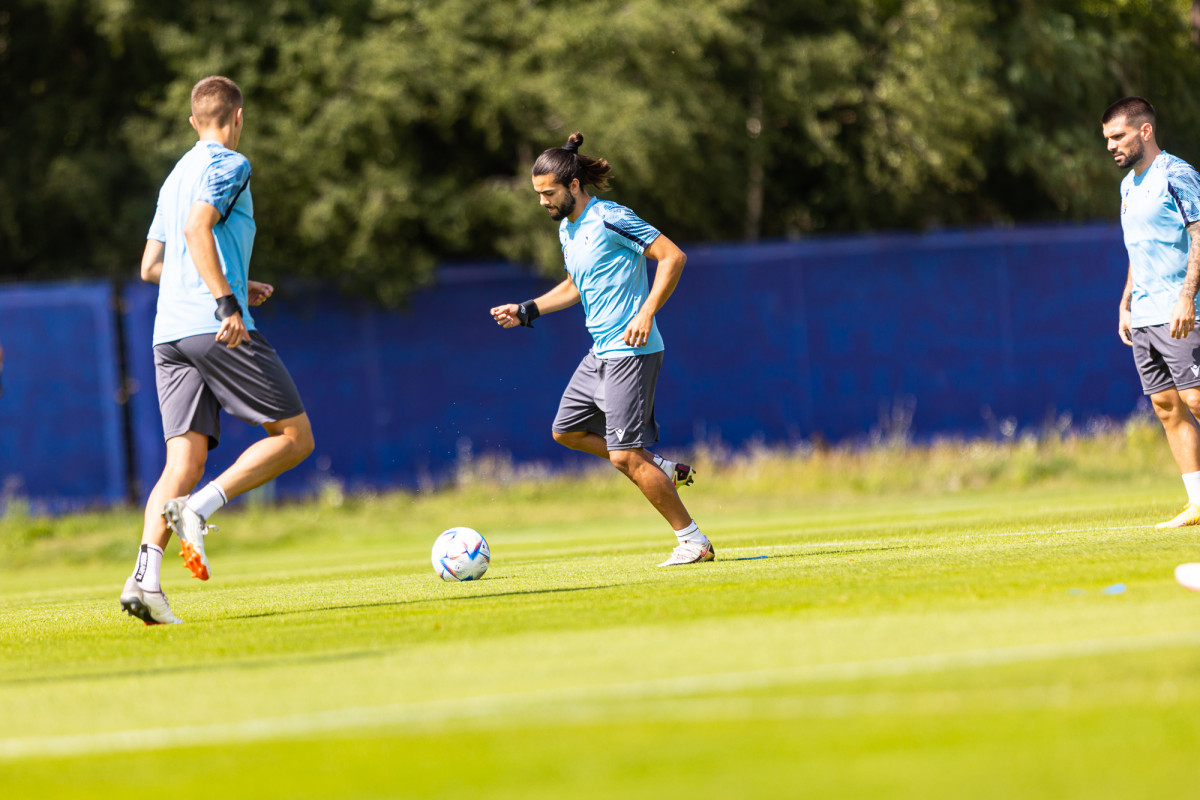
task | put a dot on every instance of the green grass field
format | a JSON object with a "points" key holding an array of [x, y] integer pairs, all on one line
{"points": [[971, 620]]}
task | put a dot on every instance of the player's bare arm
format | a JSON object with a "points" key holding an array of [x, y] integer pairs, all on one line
{"points": [[564, 295], [152, 260], [1183, 316], [1125, 313], [198, 230], [671, 261]]}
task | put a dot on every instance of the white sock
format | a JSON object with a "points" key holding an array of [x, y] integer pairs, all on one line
{"points": [[691, 534], [207, 500], [1191, 482], [149, 568], [667, 467]]}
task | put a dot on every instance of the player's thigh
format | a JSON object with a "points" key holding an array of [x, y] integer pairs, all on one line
{"points": [[630, 384], [1163, 361], [580, 409], [249, 381], [184, 399]]}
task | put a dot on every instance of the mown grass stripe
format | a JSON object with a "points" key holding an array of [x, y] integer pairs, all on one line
{"points": [[446, 712]]}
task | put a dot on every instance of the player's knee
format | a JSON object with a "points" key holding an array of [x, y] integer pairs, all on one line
{"points": [[1165, 407], [303, 444], [185, 471], [193, 471], [1191, 399], [624, 460], [565, 438]]}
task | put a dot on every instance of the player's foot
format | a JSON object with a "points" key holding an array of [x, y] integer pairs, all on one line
{"points": [[191, 530], [680, 474], [1189, 516], [690, 553], [151, 608], [683, 475]]}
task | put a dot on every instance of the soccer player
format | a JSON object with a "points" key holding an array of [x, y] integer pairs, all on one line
{"points": [[1160, 217], [208, 354], [607, 409]]}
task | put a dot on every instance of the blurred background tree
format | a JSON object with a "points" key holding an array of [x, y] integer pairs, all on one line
{"points": [[389, 135]]}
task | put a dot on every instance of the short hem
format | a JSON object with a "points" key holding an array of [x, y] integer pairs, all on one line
{"points": [[631, 446], [1172, 385], [283, 416], [213, 441]]}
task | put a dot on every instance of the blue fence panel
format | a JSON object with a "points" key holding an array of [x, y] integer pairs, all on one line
{"points": [[787, 341], [775, 342], [62, 435]]}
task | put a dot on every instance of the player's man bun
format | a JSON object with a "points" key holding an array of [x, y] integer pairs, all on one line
{"points": [[566, 164]]}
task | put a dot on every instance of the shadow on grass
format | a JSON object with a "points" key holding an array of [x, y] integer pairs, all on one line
{"points": [[285, 661], [294, 660], [839, 551], [386, 603]]}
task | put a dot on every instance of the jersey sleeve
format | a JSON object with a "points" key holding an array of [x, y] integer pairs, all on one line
{"points": [[224, 181], [628, 230], [158, 227], [1184, 184]]}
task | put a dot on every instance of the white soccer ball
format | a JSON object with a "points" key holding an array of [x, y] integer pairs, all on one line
{"points": [[460, 554]]}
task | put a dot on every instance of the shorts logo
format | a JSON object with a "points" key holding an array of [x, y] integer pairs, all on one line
{"points": [[1196, 371], [621, 431]]}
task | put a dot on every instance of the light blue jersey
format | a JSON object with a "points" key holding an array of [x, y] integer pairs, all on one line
{"points": [[1155, 208], [603, 250], [216, 175]]}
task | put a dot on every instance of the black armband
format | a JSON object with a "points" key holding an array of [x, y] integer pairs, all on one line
{"points": [[527, 312], [227, 306]]}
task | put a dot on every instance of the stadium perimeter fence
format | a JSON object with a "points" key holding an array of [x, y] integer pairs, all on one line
{"points": [[962, 333]]}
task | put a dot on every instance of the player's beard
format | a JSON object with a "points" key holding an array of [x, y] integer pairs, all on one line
{"points": [[1135, 156], [558, 212]]}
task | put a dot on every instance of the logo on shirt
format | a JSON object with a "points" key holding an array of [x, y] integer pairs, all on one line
{"points": [[1124, 208]]}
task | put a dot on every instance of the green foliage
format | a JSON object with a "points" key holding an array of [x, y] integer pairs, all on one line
{"points": [[389, 135]]}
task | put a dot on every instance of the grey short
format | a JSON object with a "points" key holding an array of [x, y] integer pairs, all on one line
{"points": [[612, 397], [198, 376], [1163, 362]]}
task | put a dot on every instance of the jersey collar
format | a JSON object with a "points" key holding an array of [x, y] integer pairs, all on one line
{"points": [[586, 208]]}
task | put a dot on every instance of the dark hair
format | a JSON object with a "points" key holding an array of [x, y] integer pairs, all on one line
{"points": [[1137, 110], [214, 99], [566, 164]]}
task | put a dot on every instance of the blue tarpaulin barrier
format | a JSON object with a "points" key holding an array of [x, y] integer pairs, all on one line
{"points": [[953, 333], [62, 431]]}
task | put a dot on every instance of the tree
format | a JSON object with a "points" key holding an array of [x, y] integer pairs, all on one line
{"points": [[389, 135], [71, 200]]}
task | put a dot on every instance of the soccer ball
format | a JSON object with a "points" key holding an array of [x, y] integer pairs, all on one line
{"points": [[460, 554]]}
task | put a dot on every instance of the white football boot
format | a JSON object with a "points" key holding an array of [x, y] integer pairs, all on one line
{"points": [[690, 553], [151, 608], [1189, 516], [191, 529]]}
